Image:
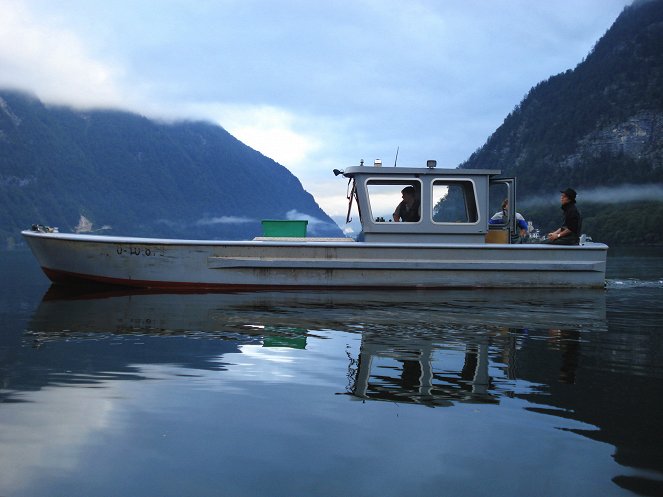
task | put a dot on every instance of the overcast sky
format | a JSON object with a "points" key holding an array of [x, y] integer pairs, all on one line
{"points": [[313, 84]]}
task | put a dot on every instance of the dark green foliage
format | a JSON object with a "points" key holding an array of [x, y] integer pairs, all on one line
{"points": [[139, 176], [636, 223], [633, 223]]}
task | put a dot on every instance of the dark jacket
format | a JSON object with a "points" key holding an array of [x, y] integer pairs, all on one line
{"points": [[572, 219], [408, 214]]}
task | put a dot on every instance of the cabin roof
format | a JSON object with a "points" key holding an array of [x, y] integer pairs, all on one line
{"points": [[410, 171]]}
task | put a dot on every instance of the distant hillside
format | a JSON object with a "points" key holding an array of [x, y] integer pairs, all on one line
{"points": [[599, 125], [140, 177]]}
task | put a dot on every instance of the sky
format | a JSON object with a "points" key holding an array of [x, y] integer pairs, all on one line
{"points": [[313, 84]]}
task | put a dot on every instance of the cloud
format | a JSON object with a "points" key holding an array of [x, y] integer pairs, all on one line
{"points": [[207, 221], [273, 131], [33, 441], [53, 62], [605, 195], [314, 225], [622, 193]]}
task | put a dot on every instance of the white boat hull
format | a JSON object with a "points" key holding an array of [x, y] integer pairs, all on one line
{"points": [[229, 265]]}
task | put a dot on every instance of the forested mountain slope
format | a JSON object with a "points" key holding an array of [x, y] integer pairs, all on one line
{"points": [[138, 176], [597, 128]]}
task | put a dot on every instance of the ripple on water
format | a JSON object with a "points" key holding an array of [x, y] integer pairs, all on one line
{"points": [[633, 283]]}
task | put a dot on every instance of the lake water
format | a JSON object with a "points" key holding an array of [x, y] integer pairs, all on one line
{"points": [[458, 393]]}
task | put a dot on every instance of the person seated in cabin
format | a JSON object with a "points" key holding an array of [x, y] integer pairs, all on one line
{"points": [[569, 233], [408, 210], [502, 216]]}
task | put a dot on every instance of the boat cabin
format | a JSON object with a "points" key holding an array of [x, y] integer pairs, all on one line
{"points": [[455, 205]]}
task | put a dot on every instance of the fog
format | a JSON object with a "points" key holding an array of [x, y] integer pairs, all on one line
{"points": [[604, 194]]}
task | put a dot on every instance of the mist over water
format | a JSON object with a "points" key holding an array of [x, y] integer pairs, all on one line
{"points": [[611, 195]]}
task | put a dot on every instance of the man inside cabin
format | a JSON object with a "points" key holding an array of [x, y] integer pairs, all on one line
{"points": [[569, 233], [502, 216], [408, 210]]}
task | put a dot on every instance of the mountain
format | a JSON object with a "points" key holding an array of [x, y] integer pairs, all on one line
{"points": [[598, 126], [138, 176]]}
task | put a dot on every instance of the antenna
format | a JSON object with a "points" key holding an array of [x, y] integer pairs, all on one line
{"points": [[396, 159]]}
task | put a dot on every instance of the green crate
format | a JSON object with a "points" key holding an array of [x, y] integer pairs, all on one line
{"points": [[275, 228], [289, 342]]}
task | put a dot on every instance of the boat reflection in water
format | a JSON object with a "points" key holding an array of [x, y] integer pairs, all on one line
{"points": [[486, 329], [427, 347]]}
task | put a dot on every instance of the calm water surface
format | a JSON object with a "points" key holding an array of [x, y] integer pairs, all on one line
{"points": [[458, 393]]}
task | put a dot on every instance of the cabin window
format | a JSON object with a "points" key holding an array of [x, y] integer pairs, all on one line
{"points": [[385, 195], [454, 201]]}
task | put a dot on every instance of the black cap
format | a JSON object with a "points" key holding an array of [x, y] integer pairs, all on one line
{"points": [[569, 192]]}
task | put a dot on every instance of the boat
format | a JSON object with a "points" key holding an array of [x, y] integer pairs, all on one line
{"points": [[451, 244]]}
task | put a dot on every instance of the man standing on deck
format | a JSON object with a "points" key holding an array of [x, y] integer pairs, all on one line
{"points": [[569, 233]]}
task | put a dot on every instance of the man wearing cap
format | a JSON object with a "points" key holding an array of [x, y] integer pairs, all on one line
{"points": [[569, 233]]}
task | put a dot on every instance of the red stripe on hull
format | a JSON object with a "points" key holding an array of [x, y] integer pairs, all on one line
{"points": [[66, 277]]}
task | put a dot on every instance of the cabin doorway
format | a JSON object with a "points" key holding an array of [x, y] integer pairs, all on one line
{"points": [[502, 225]]}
